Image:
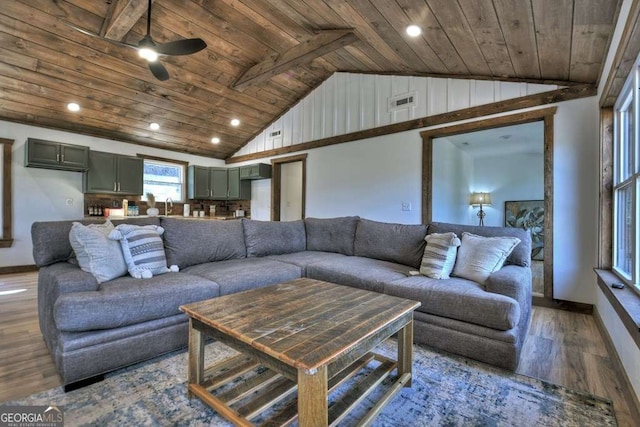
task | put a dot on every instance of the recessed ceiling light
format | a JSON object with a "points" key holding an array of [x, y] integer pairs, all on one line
{"points": [[72, 106], [235, 122], [154, 126], [414, 30], [215, 140]]}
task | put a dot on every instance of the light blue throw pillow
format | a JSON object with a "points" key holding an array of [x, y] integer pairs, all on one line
{"points": [[96, 254], [143, 249]]}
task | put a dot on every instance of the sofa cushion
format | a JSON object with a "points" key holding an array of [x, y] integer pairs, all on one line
{"points": [[142, 248], [479, 256], [95, 253], [193, 241], [403, 244], [364, 273], [521, 254], [306, 258], [439, 255], [238, 275], [331, 234], [51, 238], [273, 237], [458, 299], [127, 301]]}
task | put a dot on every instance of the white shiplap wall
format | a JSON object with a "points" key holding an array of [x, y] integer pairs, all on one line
{"points": [[348, 102]]}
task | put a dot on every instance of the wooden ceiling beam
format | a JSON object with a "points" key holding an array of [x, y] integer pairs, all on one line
{"points": [[121, 17], [314, 47]]}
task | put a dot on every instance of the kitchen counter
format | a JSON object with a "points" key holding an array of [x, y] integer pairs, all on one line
{"points": [[219, 218]]}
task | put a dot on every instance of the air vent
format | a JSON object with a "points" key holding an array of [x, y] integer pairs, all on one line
{"points": [[275, 134], [403, 102]]}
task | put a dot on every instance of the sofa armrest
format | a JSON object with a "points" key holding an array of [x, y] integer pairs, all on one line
{"points": [[55, 280], [513, 281]]}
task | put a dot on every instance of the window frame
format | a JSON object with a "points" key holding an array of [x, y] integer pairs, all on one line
{"points": [[184, 165], [629, 98]]}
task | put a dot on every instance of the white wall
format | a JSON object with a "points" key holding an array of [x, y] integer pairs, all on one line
{"points": [[41, 194], [627, 350], [452, 180], [348, 102], [508, 177], [624, 344], [372, 177]]}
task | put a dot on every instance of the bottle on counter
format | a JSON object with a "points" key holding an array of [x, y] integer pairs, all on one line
{"points": [[125, 207]]}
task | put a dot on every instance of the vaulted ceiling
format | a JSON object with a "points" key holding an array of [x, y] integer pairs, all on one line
{"points": [[263, 56]]}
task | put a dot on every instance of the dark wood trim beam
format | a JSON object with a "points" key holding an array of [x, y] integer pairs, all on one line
{"points": [[605, 211], [625, 57], [7, 210], [551, 97], [162, 159], [122, 16], [320, 44]]}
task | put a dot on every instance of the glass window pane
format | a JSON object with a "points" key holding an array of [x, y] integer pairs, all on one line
{"points": [[164, 180], [624, 230]]}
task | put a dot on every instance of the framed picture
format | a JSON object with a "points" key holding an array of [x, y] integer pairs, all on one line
{"points": [[528, 214]]}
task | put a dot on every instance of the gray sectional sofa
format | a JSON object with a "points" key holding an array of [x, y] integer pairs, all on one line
{"points": [[93, 328]]}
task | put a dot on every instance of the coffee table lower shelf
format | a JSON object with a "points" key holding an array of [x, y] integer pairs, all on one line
{"points": [[242, 390]]}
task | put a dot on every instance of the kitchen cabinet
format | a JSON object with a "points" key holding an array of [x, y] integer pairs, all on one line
{"points": [[111, 173], [56, 155], [214, 183], [256, 171]]}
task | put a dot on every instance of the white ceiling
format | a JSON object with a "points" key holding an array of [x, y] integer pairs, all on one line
{"points": [[519, 139]]}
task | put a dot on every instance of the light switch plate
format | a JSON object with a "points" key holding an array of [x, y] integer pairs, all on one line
{"points": [[406, 206]]}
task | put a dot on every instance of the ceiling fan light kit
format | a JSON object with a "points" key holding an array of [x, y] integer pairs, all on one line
{"points": [[150, 50]]}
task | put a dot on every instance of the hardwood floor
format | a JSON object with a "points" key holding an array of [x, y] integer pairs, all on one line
{"points": [[562, 347]]}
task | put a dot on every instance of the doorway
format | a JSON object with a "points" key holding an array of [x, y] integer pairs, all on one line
{"points": [[543, 115], [288, 188]]}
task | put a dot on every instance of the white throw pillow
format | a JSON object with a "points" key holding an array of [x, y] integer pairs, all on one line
{"points": [[143, 249], [479, 256], [439, 255], [95, 253]]}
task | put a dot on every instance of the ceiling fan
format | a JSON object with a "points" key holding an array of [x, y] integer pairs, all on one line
{"points": [[150, 50]]}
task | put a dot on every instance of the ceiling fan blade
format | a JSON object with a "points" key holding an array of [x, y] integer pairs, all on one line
{"points": [[97, 36], [158, 71], [181, 47]]}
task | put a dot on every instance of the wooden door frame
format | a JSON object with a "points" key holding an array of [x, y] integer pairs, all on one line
{"points": [[6, 239], [544, 115], [276, 183]]}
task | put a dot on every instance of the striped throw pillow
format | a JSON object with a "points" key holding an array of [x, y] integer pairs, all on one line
{"points": [[143, 249], [439, 255]]}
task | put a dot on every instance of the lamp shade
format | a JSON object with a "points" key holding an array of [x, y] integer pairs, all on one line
{"points": [[480, 199]]}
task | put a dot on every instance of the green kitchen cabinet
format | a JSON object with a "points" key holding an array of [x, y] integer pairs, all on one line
{"points": [[219, 184], [255, 171], [238, 188], [56, 155], [111, 173], [215, 183]]}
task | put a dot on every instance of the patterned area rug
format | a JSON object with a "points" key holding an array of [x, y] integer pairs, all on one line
{"points": [[446, 391]]}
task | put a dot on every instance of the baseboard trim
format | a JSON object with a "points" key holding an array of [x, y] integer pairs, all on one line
{"points": [[558, 304], [18, 269], [629, 394]]}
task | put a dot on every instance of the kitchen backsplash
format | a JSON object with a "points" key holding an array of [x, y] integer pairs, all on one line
{"points": [[223, 207]]}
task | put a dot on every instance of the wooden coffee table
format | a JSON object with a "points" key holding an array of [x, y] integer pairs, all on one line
{"points": [[304, 334]]}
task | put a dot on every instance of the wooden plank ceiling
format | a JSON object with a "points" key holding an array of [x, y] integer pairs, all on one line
{"points": [[44, 64]]}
